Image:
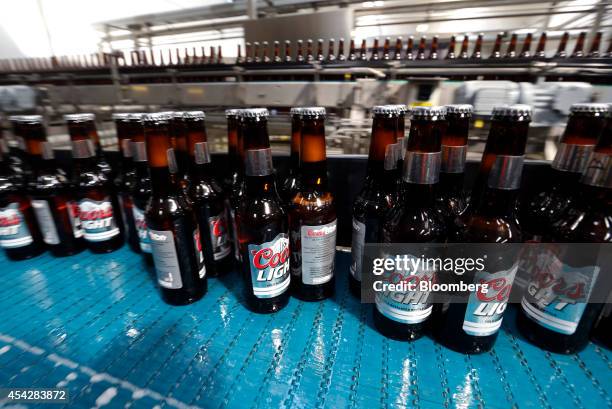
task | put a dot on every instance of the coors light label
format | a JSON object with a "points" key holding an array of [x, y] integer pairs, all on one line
{"points": [[269, 264], [97, 219], [14, 231]]}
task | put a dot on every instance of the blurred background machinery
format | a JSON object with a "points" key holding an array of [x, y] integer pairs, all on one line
{"points": [[188, 54]]}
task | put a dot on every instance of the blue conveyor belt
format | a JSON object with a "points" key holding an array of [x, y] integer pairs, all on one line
{"points": [[95, 324]]}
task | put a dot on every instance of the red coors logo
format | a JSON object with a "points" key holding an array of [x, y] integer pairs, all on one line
{"points": [[266, 257], [498, 289], [96, 214]]}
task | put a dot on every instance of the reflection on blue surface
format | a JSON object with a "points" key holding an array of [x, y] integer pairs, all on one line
{"points": [[95, 324]]}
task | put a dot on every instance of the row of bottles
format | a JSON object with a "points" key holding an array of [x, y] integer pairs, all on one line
{"points": [[263, 52]]}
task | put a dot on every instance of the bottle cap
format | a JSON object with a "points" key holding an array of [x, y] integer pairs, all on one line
{"points": [[459, 109], [589, 108], [30, 119], [385, 110], [158, 117], [79, 117], [232, 113], [437, 113], [519, 112], [313, 111], [194, 114], [254, 113], [119, 116]]}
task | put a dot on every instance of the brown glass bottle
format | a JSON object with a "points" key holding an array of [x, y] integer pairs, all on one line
{"points": [[594, 51], [496, 53], [526, 51], [309, 56], [452, 199], [208, 199], [16, 157], [331, 57], [266, 51], [291, 184], [50, 193], [450, 53], [236, 188], [88, 125], [579, 47], [263, 228], [256, 57], [141, 190], [341, 56], [363, 51], [312, 217], [287, 57], [375, 56], [463, 54], [545, 317], [277, 57], [433, 51], [561, 53], [477, 53], [20, 236], [541, 48], [538, 213], [124, 182], [378, 193], [386, 47], [247, 53], [405, 315], [99, 209], [178, 141], [511, 51], [300, 51], [352, 52], [239, 59], [173, 231], [421, 50], [471, 324], [397, 54]]}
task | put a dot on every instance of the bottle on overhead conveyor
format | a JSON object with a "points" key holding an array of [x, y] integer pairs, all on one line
{"points": [[511, 51], [450, 54], [463, 54], [561, 53], [579, 47], [477, 54], [496, 53]]}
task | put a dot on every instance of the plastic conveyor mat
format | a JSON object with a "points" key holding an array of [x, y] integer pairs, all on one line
{"points": [[95, 324]]}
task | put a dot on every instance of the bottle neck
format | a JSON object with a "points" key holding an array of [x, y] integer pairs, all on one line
{"points": [[161, 182], [313, 176], [258, 186]]}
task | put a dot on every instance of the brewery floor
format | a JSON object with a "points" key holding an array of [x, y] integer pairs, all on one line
{"points": [[95, 324]]}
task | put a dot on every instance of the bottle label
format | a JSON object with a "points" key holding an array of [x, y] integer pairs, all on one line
{"points": [[75, 220], [125, 148], [165, 259], [14, 230], [358, 241], [485, 311], [237, 254], [197, 243], [599, 171], [219, 235], [453, 159], [97, 219], [258, 162], [83, 149], [392, 152], [141, 229], [557, 295], [422, 167], [45, 221], [410, 306], [318, 249], [270, 267], [201, 153], [139, 152], [572, 158], [506, 172]]}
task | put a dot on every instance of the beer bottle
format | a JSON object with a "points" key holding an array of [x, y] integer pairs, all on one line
{"points": [[178, 141], [413, 219], [477, 54], [291, 184], [594, 51], [561, 53], [262, 222], [496, 53], [450, 54], [239, 59], [174, 235], [472, 326], [374, 56], [511, 51], [207, 198], [50, 196], [352, 53], [463, 54], [397, 55], [266, 58], [313, 215], [541, 49], [88, 122], [363, 53], [526, 51], [256, 57], [545, 317], [234, 160], [300, 51], [99, 209], [125, 179], [452, 199], [141, 189], [309, 56], [20, 236], [341, 56], [219, 55], [433, 52], [386, 46], [579, 47], [402, 143], [378, 193], [288, 57], [16, 157], [247, 53], [584, 125], [277, 57], [421, 50], [235, 187], [330, 50], [410, 49], [609, 50], [320, 56]]}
